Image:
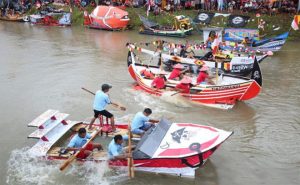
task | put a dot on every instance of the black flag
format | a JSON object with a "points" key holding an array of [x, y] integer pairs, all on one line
{"points": [[256, 73], [238, 21], [204, 17]]}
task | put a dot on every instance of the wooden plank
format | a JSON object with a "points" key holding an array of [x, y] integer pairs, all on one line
{"points": [[49, 126], [42, 118]]}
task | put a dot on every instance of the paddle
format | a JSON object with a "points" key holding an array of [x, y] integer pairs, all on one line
{"points": [[71, 159], [114, 104], [175, 93], [130, 160]]}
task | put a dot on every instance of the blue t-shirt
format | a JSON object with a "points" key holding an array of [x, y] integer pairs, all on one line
{"points": [[78, 142], [114, 149], [101, 100], [139, 121]]}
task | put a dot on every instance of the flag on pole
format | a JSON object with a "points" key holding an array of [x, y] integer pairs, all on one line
{"points": [[295, 23]]}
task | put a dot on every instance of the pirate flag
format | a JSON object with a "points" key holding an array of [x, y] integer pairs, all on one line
{"points": [[237, 21], [204, 17]]}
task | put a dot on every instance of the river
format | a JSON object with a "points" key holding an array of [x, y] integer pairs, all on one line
{"points": [[45, 67]]}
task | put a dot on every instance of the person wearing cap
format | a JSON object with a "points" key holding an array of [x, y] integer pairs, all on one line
{"points": [[141, 122], [185, 85], [203, 76], [159, 81], [79, 140], [101, 100], [177, 71]]}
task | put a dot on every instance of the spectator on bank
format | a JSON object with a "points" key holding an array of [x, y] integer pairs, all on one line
{"points": [[220, 5]]}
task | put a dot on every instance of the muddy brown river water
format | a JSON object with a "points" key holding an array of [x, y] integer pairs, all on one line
{"points": [[44, 68]]}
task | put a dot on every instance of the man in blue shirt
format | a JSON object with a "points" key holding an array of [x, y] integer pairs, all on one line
{"points": [[79, 140], [115, 149], [101, 100], [141, 122]]}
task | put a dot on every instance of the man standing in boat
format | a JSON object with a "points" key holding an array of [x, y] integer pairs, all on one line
{"points": [[79, 140], [101, 100], [141, 122]]}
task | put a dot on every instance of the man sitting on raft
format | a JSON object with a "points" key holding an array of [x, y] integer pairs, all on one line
{"points": [[116, 149], [141, 122], [79, 140]]}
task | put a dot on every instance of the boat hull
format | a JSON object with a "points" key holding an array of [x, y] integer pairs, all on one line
{"points": [[174, 33], [223, 97]]}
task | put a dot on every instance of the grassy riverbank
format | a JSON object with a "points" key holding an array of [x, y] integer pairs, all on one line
{"points": [[281, 21]]}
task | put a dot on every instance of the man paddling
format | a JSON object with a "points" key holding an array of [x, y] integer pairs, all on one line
{"points": [[141, 122], [176, 72], [116, 150], [101, 100], [79, 140]]}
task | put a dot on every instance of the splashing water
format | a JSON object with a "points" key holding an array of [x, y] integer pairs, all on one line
{"points": [[158, 103], [23, 168]]}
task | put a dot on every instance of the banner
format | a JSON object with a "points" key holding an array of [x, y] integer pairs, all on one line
{"points": [[237, 35], [204, 17], [237, 21]]}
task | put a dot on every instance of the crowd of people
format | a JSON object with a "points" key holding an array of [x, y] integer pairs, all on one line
{"points": [[261, 6]]}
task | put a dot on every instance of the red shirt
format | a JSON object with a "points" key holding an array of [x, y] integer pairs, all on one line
{"points": [[158, 82], [175, 73], [147, 74], [201, 77], [184, 87]]}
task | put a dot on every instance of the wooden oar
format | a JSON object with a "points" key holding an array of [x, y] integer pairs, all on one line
{"points": [[71, 159], [130, 160], [175, 93], [117, 105]]}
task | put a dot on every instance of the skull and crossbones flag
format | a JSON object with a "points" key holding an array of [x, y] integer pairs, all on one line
{"points": [[204, 17], [237, 21]]}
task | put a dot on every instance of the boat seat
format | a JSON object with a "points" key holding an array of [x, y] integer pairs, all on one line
{"points": [[46, 127], [43, 118]]}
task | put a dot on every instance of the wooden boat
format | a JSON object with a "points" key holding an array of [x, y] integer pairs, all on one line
{"points": [[14, 18], [169, 148], [51, 19], [228, 89], [265, 45], [181, 28]]}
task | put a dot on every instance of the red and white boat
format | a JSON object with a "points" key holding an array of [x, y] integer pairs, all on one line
{"points": [[169, 148], [107, 18], [228, 89]]}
